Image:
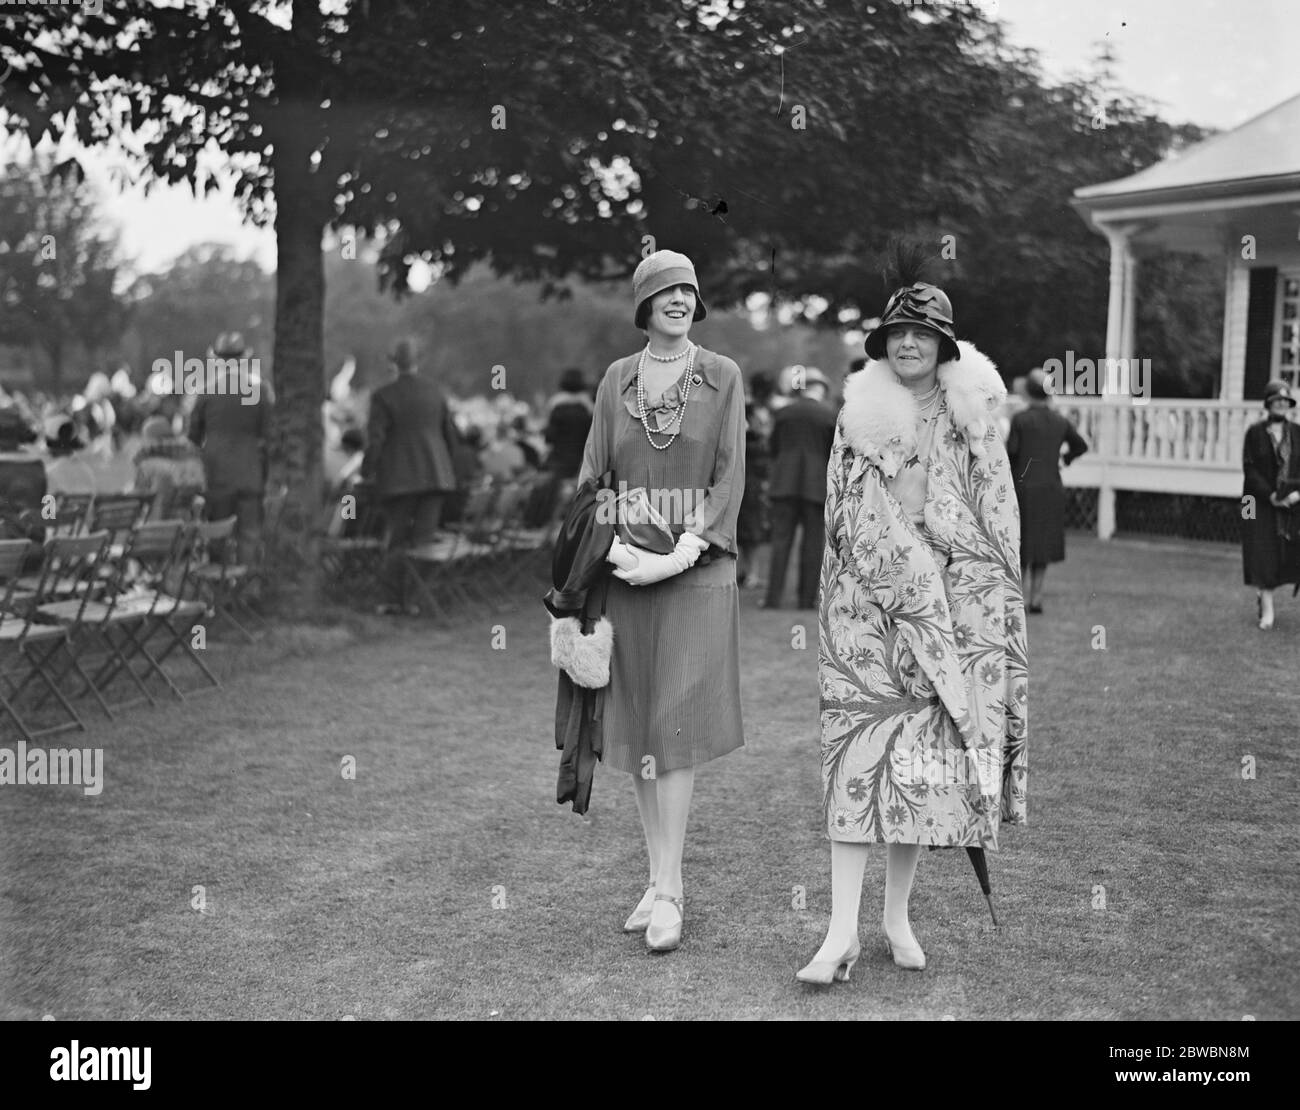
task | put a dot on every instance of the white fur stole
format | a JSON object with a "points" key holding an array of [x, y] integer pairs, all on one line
{"points": [[879, 415]]}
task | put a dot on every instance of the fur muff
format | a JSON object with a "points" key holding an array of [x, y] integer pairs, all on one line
{"points": [[880, 413], [584, 658]]}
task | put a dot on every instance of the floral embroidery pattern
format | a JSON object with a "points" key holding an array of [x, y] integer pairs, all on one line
{"points": [[922, 650]]}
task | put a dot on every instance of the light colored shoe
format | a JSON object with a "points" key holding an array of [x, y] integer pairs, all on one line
{"points": [[640, 917], [909, 957], [660, 939], [824, 972]]}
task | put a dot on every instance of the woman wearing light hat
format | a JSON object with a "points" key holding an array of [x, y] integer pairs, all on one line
{"points": [[671, 419], [1270, 534], [922, 648]]}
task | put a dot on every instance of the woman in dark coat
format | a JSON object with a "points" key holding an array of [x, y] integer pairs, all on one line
{"points": [[1034, 448], [1270, 534]]}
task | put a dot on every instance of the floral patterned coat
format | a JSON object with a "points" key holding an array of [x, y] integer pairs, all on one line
{"points": [[922, 664]]}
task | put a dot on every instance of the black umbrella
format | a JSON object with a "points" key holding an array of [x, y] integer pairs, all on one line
{"points": [[981, 865]]}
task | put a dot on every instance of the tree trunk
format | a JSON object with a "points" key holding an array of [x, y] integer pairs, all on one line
{"points": [[296, 437]]}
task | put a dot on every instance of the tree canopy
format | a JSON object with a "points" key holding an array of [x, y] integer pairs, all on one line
{"points": [[59, 268], [781, 144]]}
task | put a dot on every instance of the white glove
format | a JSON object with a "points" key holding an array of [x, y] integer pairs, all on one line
{"points": [[621, 556], [651, 568]]}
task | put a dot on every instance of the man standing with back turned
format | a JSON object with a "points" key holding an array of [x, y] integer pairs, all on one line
{"points": [[408, 460], [800, 448]]}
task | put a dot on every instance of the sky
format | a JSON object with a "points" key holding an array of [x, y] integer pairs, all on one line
{"points": [[1212, 62]]}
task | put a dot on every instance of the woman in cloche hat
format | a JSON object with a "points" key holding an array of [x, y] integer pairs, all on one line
{"points": [[1270, 533], [922, 643], [671, 419]]}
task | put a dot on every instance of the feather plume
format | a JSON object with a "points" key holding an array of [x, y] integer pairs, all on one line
{"points": [[906, 262]]}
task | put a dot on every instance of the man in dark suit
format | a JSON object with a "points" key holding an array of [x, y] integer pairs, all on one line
{"points": [[230, 425], [408, 461], [800, 448]]}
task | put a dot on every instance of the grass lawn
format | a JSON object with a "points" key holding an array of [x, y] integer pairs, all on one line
{"points": [[444, 882]]}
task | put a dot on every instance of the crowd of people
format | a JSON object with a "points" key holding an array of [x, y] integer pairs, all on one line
{"points": [[413, 456]]}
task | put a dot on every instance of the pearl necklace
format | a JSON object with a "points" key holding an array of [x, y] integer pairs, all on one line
{"points": [[928, 405], [643, 410], [668, 358]]}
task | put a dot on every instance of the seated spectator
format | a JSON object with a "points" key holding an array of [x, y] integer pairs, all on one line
{"points": [[23, 483], [468, 466], [68, 470], [503, 459], [15, 431], [170, 467], [568, 420], [523, 439], [363, 520]]}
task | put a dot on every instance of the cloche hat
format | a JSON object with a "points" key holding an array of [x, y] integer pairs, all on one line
{"points": [[659, 271], [1278, 390], [919, 303]]}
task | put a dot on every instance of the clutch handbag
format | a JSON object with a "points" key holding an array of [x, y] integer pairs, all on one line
{"points": [[640, 524]]}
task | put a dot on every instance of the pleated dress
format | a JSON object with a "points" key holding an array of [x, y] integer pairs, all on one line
{"points": [[674, 693]]}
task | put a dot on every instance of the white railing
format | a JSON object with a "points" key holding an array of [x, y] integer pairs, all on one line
{"points": [[1161, 446], [1197, 433]]}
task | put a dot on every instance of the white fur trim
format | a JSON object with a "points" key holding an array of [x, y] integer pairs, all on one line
{"points": [[585, 659], [879, 414]]}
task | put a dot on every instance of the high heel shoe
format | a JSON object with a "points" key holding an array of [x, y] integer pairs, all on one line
{"points": [[908, 957], [640, 918], [824, 972], [666, 939]]}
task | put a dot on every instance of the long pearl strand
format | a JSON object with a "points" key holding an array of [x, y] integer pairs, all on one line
{"points": [[643, 408]]}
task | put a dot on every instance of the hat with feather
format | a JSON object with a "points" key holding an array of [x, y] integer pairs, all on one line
{"points": [[914, 301]]}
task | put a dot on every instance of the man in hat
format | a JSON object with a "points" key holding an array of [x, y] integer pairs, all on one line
{"points": [[233, 436], [800, 448], [408, 460]]}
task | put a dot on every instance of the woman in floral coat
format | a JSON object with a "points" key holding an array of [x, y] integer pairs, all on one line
{"points": [[922, 649]]}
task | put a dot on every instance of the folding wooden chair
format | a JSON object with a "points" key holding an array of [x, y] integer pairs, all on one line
{"points": [[67, 597], [528, 549], [218, 582], [154, 604], [445, 568], [70, 512], [353, 557], [20, 635], [119, 514]]}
